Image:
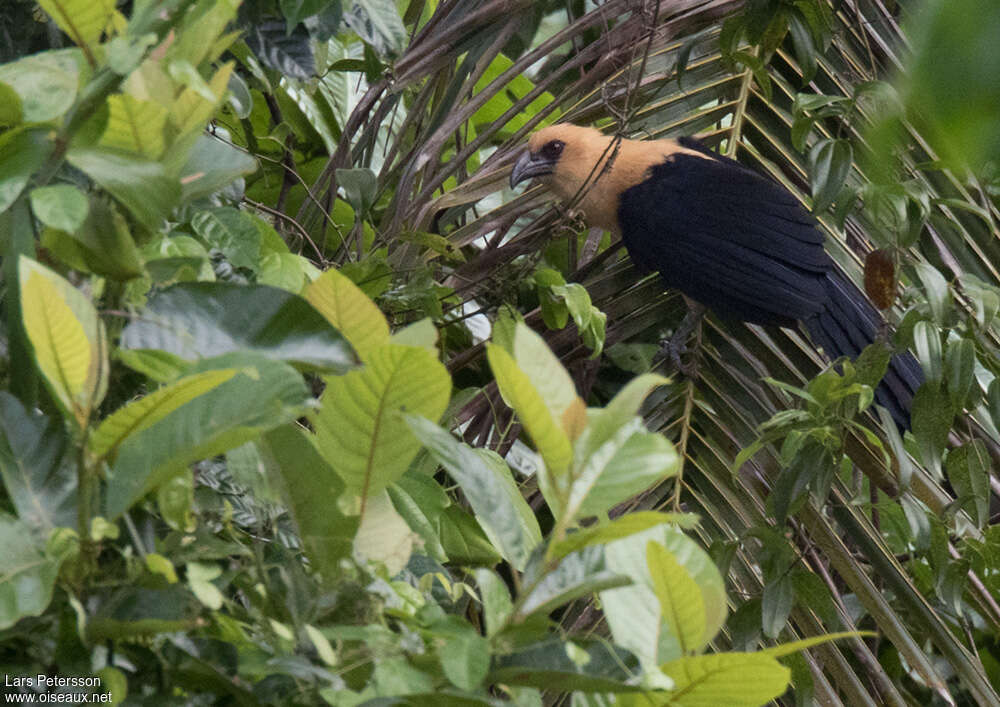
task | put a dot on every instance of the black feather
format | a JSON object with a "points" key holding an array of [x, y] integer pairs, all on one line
{"points": [[744, 246]]}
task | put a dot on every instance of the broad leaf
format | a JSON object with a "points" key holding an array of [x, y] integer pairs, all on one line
{"points": [[46, 82], [27, 576], [83, 20], [37, 467], [681, 603], [22, 153], [68, 339], [731, 679], [206, 319], [264, 394], [490, 489], [584, 665], [312, 489], [360, 428], [135, 126], [347, 308]]}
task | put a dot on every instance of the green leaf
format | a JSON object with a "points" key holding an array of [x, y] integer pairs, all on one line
{"points": [[360, 428], [960, 370], [497, 604], [551, 441], [67, 337], [135, 126], [731, 679], [421, 333], [584, 665], [577, 575], [465, 655], [83, 20], [378, 23], [778, 600], [936, 287], [145, 412], [10, 107], [968, 470], [618, 528], [297, 10], [287, 53], [805, 50], [464, 541], [383, 536], [348, 309], [628, 463], [37, 467], [62, 206], [422, 504], [359, 189], [46, 83], [633, 612], [931, 416], [103, 242], [212, 165], [831, 164], [927, 342], [490, 489], [27, 576], [22, 153], [681, 603], [263, 395], [312, 489], [143, 187], [231, 231], [205, 319]]}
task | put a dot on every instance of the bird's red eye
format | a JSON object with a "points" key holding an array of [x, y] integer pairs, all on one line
{"points": [[552, 149]]}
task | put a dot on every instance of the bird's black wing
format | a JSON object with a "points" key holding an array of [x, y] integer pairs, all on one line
{"points": [[727, 237]]}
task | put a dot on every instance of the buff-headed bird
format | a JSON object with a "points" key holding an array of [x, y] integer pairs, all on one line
{"points": [[730, 239]]}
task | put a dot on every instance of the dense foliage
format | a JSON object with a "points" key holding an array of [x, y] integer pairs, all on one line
{"points": [[301, 404]]}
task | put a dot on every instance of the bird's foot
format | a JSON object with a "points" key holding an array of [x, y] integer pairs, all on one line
{"points": [[674, 349], [676, 345]]}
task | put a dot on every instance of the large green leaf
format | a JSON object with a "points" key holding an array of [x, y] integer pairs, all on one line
{"points": [[579, 574], [634, 613], [83, 20], [67, 337], [37, 467], [46, 82], [681, 603], [142, 186], [22, 152], [360, 428], [732, 679], [212, 165], [312, 489], [205, 319], [28, 574], [350, 310], [585, 665], [135, 126], [262, 395], [490, 489]]}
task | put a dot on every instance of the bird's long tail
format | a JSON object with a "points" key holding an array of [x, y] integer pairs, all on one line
{"points": [[847, 325]]}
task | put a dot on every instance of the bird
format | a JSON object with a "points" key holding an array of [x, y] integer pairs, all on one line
{"points": [[730, 239]]}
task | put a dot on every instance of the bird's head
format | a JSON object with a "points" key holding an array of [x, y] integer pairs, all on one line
{"points": [[560, 156]]}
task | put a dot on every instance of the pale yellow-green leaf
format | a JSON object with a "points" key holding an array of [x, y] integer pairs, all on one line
{"points": [[67, 337], [795, 646], [143, 413], [350, 310], [729, 679], [550, 379], [135, 126], [199, 577], [322, 644], [158, 564], [621, 527], [190, 112], [360, 429], [383, 536], [421, 333], [549, 437], [83, 20], [680, 597]]}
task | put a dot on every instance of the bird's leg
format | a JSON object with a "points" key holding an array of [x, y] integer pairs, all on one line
{"points": [[677, 343]]}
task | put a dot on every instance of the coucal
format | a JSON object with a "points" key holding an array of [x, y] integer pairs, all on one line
{"points": [[729, 238]]}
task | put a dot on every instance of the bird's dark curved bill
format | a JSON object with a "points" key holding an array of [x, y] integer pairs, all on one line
{"points": [[529, 166]]}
